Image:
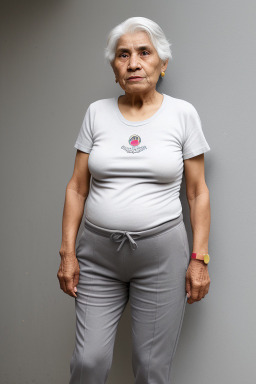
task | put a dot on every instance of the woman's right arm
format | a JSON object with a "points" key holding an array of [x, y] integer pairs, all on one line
{"points": [[76, 193]]}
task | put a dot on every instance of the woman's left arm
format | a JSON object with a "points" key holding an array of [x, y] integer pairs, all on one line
{"points": [[197, 192]]}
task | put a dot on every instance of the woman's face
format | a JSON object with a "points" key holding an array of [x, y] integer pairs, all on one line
{"points": [[136, 56]]}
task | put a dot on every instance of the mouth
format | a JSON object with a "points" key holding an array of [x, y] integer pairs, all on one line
{"points": [[135, 78]]}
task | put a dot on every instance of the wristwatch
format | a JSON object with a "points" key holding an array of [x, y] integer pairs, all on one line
{"points": [[205, 257]]}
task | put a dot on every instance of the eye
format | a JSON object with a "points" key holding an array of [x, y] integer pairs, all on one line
{"points": [[123, 55], [147, 53]]}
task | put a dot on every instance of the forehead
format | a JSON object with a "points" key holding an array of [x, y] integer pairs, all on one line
{"points": [[133, 40]]}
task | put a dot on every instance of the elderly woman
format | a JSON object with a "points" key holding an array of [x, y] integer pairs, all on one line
{"points": [[131, 154]]}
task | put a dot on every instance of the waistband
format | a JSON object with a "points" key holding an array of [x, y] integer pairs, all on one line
{"points": [[119, 236]]}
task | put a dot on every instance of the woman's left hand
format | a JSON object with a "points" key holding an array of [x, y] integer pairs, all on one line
{"points": [[197, 281]]}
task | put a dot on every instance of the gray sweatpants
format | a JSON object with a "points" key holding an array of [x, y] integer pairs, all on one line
{"points": [[147, 267]]}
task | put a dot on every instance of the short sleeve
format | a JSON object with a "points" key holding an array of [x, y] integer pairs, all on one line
{"points": [[84, 140], [195, 142]]}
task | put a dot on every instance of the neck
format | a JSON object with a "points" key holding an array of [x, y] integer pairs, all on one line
{"points": [[141, 99]]}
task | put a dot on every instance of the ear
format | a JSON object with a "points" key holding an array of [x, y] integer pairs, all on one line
{"points": [[164, 66]]}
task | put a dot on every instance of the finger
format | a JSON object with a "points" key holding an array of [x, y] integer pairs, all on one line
{"points": [[61, 281], [188, 287], [64, 285], [202, 292], [190, 301], [70, 287], [201, 295], [205, 289], [76, 279], [195, 291]]}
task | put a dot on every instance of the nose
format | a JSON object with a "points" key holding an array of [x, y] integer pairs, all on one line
{"points": [[133, 63]]}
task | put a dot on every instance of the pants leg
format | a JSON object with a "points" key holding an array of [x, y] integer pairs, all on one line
{"points": [[153, 276], [158, 299], [101, 299]]}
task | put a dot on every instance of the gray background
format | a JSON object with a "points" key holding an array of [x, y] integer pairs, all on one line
{"points": [[52, 67]]}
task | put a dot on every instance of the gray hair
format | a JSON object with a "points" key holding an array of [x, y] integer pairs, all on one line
{"points": [[155, 32]]}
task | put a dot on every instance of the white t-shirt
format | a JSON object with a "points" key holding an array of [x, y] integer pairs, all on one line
{"points": [[137, 166]]}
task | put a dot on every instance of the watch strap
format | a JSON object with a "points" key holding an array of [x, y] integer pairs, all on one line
{"points": [[205, 257]]}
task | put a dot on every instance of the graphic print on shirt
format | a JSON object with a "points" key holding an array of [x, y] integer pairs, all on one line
{"points": [[134, 141]]}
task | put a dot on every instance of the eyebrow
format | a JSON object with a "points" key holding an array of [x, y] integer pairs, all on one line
{"points": [[142, 47]]}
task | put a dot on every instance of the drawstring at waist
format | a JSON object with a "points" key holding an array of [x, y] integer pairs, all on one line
{"points": [[120, 236]]}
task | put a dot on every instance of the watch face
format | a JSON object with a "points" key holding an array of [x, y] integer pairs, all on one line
{"points": [[206, 259]]}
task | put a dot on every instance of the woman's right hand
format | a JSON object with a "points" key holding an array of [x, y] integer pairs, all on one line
{"points": [[68, 273], [77, 191]]}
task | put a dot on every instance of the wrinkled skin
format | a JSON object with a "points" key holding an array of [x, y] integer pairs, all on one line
{"points": [[68, 274], [197, 280], [140, 100]]}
